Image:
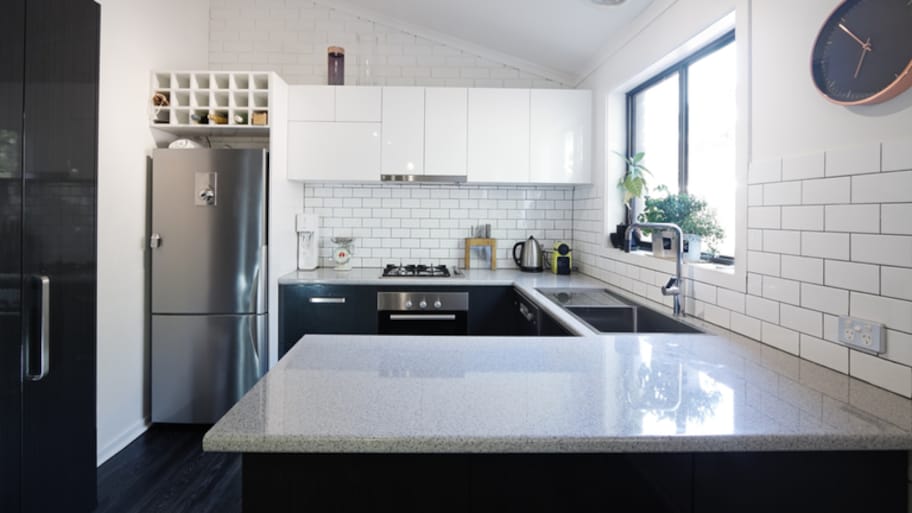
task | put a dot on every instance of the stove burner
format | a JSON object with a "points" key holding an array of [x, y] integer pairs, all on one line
{"points": [[416, 271]]}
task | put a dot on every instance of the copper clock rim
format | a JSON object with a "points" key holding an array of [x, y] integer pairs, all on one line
{"points": [[902, 82]]}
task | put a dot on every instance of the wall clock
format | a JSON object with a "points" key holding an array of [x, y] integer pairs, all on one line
{"points": [[863, 53]]}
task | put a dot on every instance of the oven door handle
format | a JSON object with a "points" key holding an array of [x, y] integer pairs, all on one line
{"points": [[422, 317]]}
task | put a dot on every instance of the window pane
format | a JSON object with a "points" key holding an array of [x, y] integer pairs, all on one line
{"points": [[711, 137], [656, 131]]}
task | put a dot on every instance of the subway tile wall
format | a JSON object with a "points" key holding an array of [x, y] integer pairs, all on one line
{"points": [[829, 234], [291, 37], [429, 223]]}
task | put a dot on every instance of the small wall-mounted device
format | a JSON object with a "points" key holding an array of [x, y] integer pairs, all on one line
{"points": [[867, 336], [308, 228]]}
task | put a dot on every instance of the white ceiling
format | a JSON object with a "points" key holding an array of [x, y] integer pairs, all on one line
{"points": [[561, 36]]}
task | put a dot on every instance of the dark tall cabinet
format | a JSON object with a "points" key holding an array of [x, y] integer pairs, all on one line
{"points": [[48, 178]]}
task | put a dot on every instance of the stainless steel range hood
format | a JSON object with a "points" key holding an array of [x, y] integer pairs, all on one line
{"points": [[424, 178]]}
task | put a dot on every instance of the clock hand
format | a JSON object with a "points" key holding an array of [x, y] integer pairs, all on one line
{"points": [[856, 38], [864, 51]]}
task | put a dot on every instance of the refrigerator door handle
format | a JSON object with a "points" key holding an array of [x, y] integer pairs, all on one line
{"points": [[262, 275], [155, 241], [44, 325]]}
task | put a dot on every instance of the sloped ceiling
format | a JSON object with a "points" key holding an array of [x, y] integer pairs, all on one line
{"points": [[559, 36]]}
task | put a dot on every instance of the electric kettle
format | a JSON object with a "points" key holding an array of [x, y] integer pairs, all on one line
{"points": [[530, 255]]}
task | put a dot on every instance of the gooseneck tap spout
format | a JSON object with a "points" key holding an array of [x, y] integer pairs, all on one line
{"points": [[674, 287]]}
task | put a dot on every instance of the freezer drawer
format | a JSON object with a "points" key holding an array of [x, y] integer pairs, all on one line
{"points": [[202, 365]]}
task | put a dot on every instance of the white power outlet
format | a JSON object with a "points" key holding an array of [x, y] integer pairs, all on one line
{"points": [[867, 336]]}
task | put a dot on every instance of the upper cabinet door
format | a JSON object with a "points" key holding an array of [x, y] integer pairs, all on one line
{"points": [[358, 104], [561, 136], [498, 136], [445, 131], [333, 152], [311, 103], [403, 131]]}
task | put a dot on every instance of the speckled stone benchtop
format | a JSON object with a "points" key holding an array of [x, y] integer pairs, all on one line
{"points": [[627, 393]]}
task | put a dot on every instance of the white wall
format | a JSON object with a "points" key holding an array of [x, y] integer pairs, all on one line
{"points": [[291, 37], [136, 37], [820, 212]]}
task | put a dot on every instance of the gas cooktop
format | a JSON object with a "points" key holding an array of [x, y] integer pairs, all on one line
{"points": [[416, 271]]}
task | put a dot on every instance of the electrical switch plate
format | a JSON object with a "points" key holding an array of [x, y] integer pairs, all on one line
{"points": [[867, 336]]}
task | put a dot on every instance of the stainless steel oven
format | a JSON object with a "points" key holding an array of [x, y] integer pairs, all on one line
{"points": [[423, 313]]}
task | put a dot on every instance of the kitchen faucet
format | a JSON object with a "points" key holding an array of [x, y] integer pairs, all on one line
{"points": [[674, 285]]}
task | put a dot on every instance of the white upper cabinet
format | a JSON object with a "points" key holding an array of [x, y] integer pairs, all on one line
{"points": [[334, 152], [358, 104], [403, 131], [311, 103], [561, 136], [445, 131], [498, 135]]}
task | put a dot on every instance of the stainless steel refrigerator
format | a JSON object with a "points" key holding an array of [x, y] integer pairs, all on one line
{"points": [[209, 297]]}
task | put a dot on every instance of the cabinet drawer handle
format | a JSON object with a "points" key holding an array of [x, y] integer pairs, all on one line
{"points": [[327, 300], [420, 317]]}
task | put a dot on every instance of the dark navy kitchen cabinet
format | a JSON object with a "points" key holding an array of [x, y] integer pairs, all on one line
{"points": [[48, 181], [309, 309]]}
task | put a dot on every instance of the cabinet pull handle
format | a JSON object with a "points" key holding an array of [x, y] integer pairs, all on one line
{"points": [[327, 300], [524, 311], [420, 317], [44, 337]]}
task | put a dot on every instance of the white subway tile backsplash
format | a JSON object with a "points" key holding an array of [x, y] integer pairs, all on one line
{"points": [[800, 319], [825, 353], [897, 155], [896, 282], [802, 268], [755, 195], [747, 326], [825, 245], [754, 284], [825, 299], [852, 276], [764, 171], [762, 308], [780, 338], [763, 263], [803, 167], [896, 218], [782, 193], [894, 377], [882, 188], [826, 191], [802, 218], [899, 347], [853, 218], [755, 240], [763, 217], [788, 242], [894, 313], [853, 160], [786, 291], [730, 299], [882, 249]]}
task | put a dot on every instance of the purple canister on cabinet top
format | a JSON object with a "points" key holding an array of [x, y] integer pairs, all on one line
{"points": [[335, 61]]}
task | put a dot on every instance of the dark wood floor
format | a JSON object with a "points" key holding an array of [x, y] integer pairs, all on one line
{"points": [[165, 470]]}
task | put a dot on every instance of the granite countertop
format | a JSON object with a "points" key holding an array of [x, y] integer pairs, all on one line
{"points": [[625, 393]]}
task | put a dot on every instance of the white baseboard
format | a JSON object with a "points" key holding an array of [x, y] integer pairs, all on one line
{"points": [[114, 446]]}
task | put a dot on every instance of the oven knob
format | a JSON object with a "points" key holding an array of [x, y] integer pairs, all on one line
{"points": [[422, 305], [438, 304], [408, 303]]}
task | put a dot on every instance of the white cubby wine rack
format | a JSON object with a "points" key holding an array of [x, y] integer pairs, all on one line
{"points": [[210, 102]]}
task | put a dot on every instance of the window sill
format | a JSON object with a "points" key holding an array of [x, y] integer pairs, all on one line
{"points": [[727, 276]]}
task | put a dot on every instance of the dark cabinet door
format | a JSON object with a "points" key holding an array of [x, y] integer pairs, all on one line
{"points": [[59, 249], [12, 45], [325, 309]]}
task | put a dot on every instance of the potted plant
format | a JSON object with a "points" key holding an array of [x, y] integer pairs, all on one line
{"points": [[633, 184], [693, 215]]}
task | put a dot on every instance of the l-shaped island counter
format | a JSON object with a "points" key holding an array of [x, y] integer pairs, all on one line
{"points": [[659, 422]]}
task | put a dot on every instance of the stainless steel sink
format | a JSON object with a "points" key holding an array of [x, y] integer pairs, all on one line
{"points": [[607, 313]]}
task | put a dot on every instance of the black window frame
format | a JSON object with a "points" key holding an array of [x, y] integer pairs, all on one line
{"points": [[681, 68]]}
